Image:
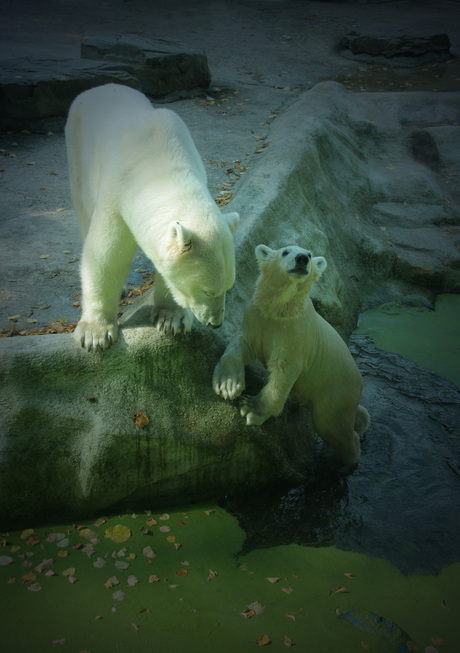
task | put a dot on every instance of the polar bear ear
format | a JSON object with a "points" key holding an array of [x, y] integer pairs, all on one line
{"points": [[263, 253], [320, 265], [180, 238], [233, 220]]}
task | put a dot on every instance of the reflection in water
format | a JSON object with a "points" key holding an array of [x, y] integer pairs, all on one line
{"points": [[402, 501]]}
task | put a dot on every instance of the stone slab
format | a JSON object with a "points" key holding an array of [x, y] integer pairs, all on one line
{"points": [[397, 49]]}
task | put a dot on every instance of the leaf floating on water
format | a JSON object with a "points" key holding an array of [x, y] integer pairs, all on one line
{"points": [[151, 521], [62, 544], [181, 573], [165, 529], [63, 553], [121, 564], [6, 560], [364, 646], [208, 512], [119, 595], [212, 574], [60, 641], [44, 565], [99, 563], [101, 520], [141, 420], [171, 538], [69, 572], [340, 590], [290, 616], [111, 582], [349, 575], [287, 590], [33, 540], [256, 607], [27, 533], [118, 533], [134, 626], [273, 580], [55, 537], [35, 587], [177, 546], [288, 641], [132, 580], [164, 517], [248, 613], [264, 640], [149, 552], [154, 579], [437, 641]]}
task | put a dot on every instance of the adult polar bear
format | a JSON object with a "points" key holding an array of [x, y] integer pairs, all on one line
{"points": [[303, 354], [137, 179]]}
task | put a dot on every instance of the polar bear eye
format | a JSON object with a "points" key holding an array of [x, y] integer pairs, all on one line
{"points": [[208, 294], [285, 253]]}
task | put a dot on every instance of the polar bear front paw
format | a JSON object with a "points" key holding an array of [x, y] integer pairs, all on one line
{"points": [[172, 320], [229, 384], [94, 336], [249, 408]]}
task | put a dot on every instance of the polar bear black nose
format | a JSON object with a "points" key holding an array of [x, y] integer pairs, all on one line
{"points": [[302, 259]]}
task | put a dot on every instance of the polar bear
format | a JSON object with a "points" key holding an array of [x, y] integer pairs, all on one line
{"points": [[304, 356], [137, 179]]}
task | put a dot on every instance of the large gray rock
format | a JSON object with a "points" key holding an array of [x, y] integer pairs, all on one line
{"points": [[162, 66], [402, 49], [37, 93], [339, 177]]}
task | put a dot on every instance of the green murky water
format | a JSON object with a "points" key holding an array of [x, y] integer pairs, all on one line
{"points": [[430, 338], [193, 594]]}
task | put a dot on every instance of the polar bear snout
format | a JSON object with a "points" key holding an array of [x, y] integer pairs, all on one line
{"points": [[301, 263]]}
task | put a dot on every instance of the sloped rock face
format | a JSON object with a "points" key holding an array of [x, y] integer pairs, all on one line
{"points": [[339, 177]]}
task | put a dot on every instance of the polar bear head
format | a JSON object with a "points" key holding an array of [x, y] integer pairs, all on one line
{"points": [[287, 276], [200, 267]]}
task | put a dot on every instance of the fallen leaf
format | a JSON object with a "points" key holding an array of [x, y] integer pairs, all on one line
{"points": [[165, 529], [290, 616], [181, 573], [35, 587], [212, 574], [151, 521], [47, 562], [6, 560], [132, 580], [248, 613], [135, 626], [288, 590], [69, 572], [154, 579], [288, 641], [149, 552], [60, 641], [33, 540], [264, 640], [44, 255], [73, 580], [62, 544], [118, 533], [29, 531], [437, 641], [173, 587], [29, 578], [121, 564], [164, 517], [177, 546], [273, 580], [119, 595], [340, 590], [208, 512], [99, 563], [111, 582], [141, 420], [171, 538], [257, 607], [349, 575], [63, 553], [364, 646]]}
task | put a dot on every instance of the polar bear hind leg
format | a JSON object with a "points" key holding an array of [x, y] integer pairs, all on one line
{"points": [[336, 427]]}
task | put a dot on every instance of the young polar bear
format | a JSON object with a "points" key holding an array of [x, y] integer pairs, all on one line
{"points": [[303, 354], [137, 179]]}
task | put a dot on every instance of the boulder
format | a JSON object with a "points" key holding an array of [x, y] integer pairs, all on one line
{"points": [[162, 66], [397, 49], [37, 93]]}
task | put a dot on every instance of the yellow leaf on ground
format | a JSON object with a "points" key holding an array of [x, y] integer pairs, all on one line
{"points": [[118, 533]]}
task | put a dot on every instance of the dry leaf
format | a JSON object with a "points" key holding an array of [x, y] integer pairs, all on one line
{"points": [[290, 616], [29, 531], [263, 640], [149, 552], [6, 560], [44, 565], [69, 572], [154, 579], [119, 595], [208, 512], [288, 590], [132, 580], [257, 607], [177, 546], [141, 420], [349, 575], [181, 573], [165, 529], [151, 521], [248, 613], [35, 587], [364, 646], [340, 590], [164, 517], [288, 641], [118, 533], [273, 579], [101, 520], [171, 538]]}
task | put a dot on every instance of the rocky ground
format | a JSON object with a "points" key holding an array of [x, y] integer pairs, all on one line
{"points": [[262, 55]]}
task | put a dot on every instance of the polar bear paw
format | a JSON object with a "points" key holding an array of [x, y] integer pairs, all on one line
{"points": [[172, 320], [249, 408], [94, 336], [228, 379]]}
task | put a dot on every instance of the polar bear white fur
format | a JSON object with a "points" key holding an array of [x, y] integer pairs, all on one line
{"points": [[303, 354], [137, 179]]}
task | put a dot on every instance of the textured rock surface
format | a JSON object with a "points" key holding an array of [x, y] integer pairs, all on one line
{"points": [[162, 66], [403, 49], [37, 93]]}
